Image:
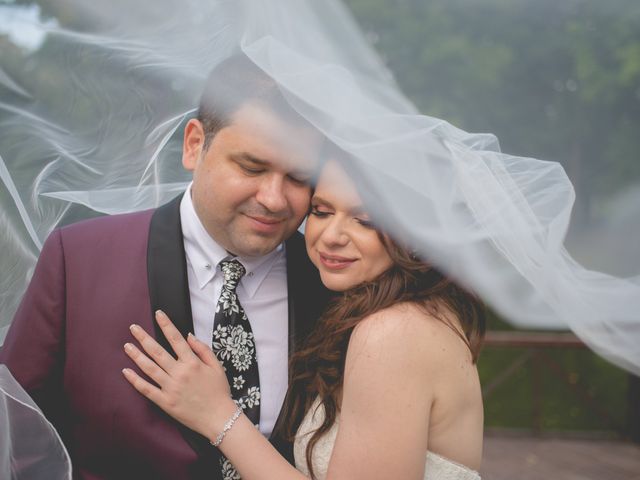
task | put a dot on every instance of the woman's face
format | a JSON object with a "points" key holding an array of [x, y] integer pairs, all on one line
{"points": [[340, 240]]}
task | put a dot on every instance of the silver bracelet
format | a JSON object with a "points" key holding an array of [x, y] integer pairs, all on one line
{"points": [[227, 427]]}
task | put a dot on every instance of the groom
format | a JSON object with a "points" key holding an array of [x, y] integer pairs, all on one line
{"points": [[252, 163]]}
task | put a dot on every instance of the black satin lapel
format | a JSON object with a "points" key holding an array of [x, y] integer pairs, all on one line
{"points": [[292, 247], [169, 292], [307, 299], [167, 270]]}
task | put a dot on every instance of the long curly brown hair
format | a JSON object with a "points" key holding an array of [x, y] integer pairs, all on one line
{"points": [[318, 368]]}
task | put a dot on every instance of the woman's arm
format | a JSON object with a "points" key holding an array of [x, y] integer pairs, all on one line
{"points": [[193, 389], [385, 408], [388, 392]]}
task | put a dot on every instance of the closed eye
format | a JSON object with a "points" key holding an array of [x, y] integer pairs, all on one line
{"points": [[318, 213], [251, 170], [249, 164], [299, 179], [365, 223]]}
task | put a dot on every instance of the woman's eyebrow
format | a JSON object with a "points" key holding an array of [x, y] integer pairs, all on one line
{"points": [[319, 199], [358, 210]]}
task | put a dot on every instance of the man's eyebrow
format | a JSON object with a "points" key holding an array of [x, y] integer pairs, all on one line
{"points": [[258, 162], [246, 157]]}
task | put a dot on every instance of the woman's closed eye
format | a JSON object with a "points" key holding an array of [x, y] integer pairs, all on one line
{"points": [[365, 222], [319, 212]]}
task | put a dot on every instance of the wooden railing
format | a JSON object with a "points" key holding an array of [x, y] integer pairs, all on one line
{"points": [[535, 348]]}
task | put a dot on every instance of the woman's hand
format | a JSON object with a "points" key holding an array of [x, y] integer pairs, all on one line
{"points": [[193, 388]]}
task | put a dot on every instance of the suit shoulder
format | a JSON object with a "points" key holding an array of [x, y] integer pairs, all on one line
{"points": [[131, 223]]}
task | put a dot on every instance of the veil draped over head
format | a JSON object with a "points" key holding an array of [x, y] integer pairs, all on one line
{"points": [[93, 96]]}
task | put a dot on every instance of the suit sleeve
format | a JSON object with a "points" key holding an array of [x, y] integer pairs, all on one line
{"points": [[34, 347]]}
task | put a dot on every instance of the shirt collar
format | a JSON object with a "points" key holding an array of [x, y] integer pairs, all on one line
{"points": [[204, 253]]}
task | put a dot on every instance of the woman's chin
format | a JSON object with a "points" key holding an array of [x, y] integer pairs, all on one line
{"points": [[336, 284]]}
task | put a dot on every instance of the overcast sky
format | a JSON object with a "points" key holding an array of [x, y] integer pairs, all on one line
{"points": [[23, 26]]}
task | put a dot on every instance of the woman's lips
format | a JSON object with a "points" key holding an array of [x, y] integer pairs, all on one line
{"points": [[335, 262]]}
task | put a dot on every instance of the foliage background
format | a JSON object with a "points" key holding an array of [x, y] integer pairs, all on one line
{"points": [[558, 80]]}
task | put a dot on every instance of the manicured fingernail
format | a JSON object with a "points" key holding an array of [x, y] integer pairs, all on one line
{"points": [[159, 313], [133, 327], [126, 371], [128, 347], [189, 334]]}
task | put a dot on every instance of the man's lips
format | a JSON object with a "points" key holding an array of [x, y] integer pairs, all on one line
{"points": [[335, 262], [267, 220], [265, 224]]}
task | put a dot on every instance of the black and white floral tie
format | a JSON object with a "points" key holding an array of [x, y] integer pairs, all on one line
{"points": [[235, 347]]}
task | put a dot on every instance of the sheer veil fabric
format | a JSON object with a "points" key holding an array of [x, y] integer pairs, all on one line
{"points": [[30, 448], [93, 97]]}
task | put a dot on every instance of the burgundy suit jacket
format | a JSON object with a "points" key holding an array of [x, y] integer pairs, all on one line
{"points": [[65, 346]]}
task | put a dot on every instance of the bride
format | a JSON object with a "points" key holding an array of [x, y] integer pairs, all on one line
{"points": [[387, 385]]}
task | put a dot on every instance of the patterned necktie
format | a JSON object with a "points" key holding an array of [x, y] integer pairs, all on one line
{"points": [[234, 345]]}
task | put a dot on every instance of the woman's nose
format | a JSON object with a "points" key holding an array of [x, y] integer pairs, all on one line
{"points": [[335, 233]]}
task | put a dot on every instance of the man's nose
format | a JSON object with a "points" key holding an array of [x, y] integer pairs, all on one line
{"points": [[271, 194]]}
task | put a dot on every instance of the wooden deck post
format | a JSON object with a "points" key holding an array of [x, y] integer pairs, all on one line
{"points": [[633, 404]]}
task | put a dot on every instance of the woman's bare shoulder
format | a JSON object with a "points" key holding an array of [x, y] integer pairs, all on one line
{"points": [[430, 335]]}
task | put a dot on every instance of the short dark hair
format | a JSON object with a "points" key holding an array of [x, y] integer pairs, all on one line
{"points": [[231, 84]]}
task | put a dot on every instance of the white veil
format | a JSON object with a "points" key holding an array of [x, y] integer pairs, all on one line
{"points": [[93, 99], [30, 448]]}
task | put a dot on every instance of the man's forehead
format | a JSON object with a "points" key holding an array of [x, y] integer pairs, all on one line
{"points": [[269, 137]]}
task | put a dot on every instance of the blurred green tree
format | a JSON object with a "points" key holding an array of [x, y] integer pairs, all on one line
{"points": [[554, 80]]}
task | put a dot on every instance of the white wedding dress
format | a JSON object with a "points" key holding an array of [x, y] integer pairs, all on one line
{"points": [[436, 466]]}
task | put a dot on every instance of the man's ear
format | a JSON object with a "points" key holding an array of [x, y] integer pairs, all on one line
{"points": [[193, 144]]}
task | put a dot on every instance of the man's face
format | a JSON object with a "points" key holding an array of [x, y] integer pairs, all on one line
{"points": [[251, 186]]}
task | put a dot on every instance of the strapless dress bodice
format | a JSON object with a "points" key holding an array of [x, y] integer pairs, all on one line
{"points": [[437, 467]]}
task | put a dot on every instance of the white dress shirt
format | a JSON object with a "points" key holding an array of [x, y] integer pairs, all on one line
{"points": [[263, 295]]}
